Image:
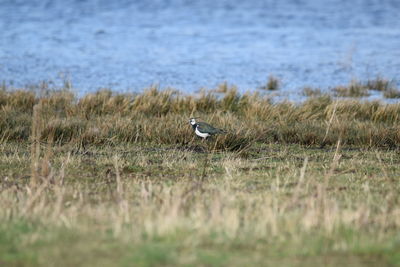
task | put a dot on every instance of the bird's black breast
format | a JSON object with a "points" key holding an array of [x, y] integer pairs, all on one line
{"points": [[194, 126]]}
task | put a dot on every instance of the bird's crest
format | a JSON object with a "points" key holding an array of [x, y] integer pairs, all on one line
{"points": [[192, 121]]}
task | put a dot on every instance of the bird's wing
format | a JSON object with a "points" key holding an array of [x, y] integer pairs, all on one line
{"points": [[207, 128]]}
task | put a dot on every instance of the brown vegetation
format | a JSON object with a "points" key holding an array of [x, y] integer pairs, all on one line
{"points": [[160, 117], [118, 180]]}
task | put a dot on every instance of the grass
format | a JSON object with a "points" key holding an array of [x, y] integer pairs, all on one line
{"points": [[120, 180], [160, 117], [272, 84], [354, 89], [312, 92], [378, 84], [359, 89], [392, 93]]}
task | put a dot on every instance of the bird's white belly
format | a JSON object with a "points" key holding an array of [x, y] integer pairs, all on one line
{"points": [[202, 135]]}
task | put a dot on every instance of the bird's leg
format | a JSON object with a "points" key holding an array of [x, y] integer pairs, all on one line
{"points": [[206, 144], [204, 173]]}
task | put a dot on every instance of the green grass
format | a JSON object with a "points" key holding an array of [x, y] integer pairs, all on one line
{"points": [[102, 181], [253, 210]]}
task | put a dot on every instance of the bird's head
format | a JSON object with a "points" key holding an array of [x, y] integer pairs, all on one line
{"points": [[192, 121]]}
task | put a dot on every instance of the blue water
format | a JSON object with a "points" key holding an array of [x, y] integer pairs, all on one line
{"points": [[130, 45]]}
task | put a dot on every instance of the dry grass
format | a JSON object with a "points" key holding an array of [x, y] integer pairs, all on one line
{"points": [[359, 89], [354, 89], [312, 92], [272, 84], [284, 203], [160, 117], [392, 93], [378, 84], [119, 181]]}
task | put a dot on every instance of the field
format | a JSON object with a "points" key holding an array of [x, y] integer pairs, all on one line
{"points": [[120, 180]]}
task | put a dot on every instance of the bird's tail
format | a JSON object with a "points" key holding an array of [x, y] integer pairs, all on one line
{"points": [[222, 131]]}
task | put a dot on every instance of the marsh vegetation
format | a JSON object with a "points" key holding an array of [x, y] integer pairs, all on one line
{"points": [[120, 179]]}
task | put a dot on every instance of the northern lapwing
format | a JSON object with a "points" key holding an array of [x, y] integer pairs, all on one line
{"points": [[203, 129]]}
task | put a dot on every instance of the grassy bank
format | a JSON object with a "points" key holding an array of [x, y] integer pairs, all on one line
{"points": [[160, 117], [111, 179]]}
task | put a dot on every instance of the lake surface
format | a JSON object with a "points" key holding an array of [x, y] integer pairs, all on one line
{"points": [[130, 45]]}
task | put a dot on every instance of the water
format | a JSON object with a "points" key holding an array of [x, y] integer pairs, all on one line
{"points": [[130, 45]]}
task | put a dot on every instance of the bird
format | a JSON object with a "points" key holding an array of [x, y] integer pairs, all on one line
{"points": [[203, 129]]}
